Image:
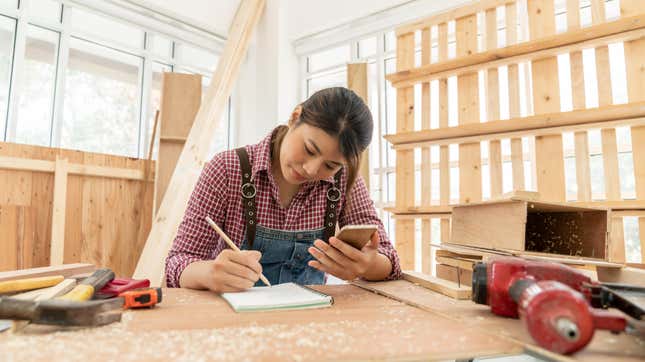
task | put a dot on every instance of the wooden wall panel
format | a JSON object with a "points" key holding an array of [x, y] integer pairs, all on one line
{"points": [[106, 219], [17, 227]]}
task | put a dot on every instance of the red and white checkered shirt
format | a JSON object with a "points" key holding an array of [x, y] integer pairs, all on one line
{"points": [[217, 194]]}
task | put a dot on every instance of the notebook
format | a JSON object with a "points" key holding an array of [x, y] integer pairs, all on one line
{"points": [[287, 296]]}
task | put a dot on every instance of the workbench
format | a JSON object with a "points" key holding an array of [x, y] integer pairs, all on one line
{"points": [[363, 323]]}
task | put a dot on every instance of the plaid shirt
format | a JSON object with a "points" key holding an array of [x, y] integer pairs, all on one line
{"points": [[217, 194]]}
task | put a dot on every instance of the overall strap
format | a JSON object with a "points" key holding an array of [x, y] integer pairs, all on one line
{"points": [[248, 192], [331, 214]]}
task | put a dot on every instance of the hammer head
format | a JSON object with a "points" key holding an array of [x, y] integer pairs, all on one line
{"points": [[63, 312]]}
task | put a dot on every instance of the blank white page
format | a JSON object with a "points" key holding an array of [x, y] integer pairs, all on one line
{"points": [[280, 296]]}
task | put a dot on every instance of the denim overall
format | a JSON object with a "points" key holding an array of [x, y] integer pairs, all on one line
{"points": [[284, 253]]}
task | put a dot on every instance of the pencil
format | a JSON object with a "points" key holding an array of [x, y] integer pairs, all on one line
{"points": [[231, 244]]}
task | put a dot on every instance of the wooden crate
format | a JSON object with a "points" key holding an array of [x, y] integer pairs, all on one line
{"points": [[541, 227]]}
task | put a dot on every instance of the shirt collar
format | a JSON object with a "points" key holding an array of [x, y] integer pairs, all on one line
{"points": [[262, 158]]}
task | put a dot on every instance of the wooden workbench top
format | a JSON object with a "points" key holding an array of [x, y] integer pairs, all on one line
{"points": [[199, 325]]}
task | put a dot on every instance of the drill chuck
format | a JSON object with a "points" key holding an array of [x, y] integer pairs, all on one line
{"points": [[480, 284]]}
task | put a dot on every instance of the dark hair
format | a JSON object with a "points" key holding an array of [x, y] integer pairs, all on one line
{"points": [[340, 113]]}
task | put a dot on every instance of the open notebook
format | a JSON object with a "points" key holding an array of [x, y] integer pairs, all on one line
{"points": [[278, 297]]}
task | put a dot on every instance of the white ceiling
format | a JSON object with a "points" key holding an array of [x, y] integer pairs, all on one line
{"points": [[304, 16]]}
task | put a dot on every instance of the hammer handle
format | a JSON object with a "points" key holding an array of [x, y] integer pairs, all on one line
{"points": [[11, 308], [86, 288]]}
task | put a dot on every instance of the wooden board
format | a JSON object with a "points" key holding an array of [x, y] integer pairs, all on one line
{"points": [[445, 287], [405, 188], [357, 82], [517, 159], [444, 155], [492, 107], [65, 270], [193, 157], [349, 330], [468, 98], [17, 225], [181, 96], [454, 274]]}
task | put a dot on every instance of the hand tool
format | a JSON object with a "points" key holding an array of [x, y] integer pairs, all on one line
{"points": [[85, 289], [20, 285], [140, 298], [554, 301], [72, 313], [119, 285]]}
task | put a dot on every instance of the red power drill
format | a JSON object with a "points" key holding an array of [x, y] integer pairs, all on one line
{"points": [[556, 302]]}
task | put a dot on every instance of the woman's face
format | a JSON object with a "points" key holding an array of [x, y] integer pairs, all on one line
{"points": [[309, 154]]}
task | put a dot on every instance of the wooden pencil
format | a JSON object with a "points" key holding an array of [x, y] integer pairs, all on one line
{"points": [[231, 244]]}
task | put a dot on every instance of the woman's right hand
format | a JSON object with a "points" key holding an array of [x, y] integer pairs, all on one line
{"points": [[231, 271]]}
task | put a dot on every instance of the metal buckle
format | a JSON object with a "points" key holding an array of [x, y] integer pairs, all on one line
{"points": [[330, 194], [251, 194]]}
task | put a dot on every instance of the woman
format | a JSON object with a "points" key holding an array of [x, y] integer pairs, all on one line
{"points": [[279, 199]]}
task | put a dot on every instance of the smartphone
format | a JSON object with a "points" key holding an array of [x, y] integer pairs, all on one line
{"points": [[356, 235]]}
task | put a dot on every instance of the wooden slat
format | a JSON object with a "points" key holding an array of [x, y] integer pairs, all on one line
{"points": [[444, 287], [635, 69], [181, 96], [30, 164], [57, 250], [468, 99], [357, 81], [517, 159], [456, 13], [617, 240], [197, 148], [427, 261], [66, 270], [405, 159], [544, 44], [16, 223], [546, 99], [554, 120], [444, 154], [492, 107]]}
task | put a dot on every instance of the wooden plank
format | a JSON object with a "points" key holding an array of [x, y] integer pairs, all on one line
{"points": [[492, 107], [616, 241], [495, 225], [357, 81], [426, 162], [551, 122], [627, 275], [194, 155], [455, 275], [181, 96], [468, 99], [546, 99], [517, 159], [544, 44], [439, 285], [65, 270], [16, 226], [57, 250], [444, 154], [583, 172], [26, 164], [405, 178]]}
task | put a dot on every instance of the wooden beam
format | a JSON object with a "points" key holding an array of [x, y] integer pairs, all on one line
{"points": [[27, 164], [57, 249], [65, 270], [542, 46], [444, 287], [194, 154], [357, 81], [444, 151], [555, 121]]}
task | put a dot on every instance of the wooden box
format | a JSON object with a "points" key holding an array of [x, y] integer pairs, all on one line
{"points": [[532, 226]]}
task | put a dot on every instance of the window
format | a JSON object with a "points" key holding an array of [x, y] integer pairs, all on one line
{"points": [[37, 94], [101, 100], [7, 34], [85, 79]]}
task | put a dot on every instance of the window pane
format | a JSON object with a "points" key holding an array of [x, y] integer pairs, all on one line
{"points": [[193, 57], [7, 32], [104, 28], [328, 58], [367, 47], [46, 10], [9, 4], [101, 100], [37, 96], [330, 80]]}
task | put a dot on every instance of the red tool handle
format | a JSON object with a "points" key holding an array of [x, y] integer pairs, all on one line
{"points": [[140, 298]]}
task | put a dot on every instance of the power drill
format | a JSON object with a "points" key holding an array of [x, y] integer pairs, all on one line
{"points": [[555, 301]]}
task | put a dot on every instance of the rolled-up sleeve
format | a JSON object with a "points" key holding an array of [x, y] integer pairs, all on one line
{"points": [[361, 211], [195, 239]]}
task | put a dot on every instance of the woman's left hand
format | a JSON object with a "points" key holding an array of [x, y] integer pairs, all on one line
{"points": [[343, 260]]}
